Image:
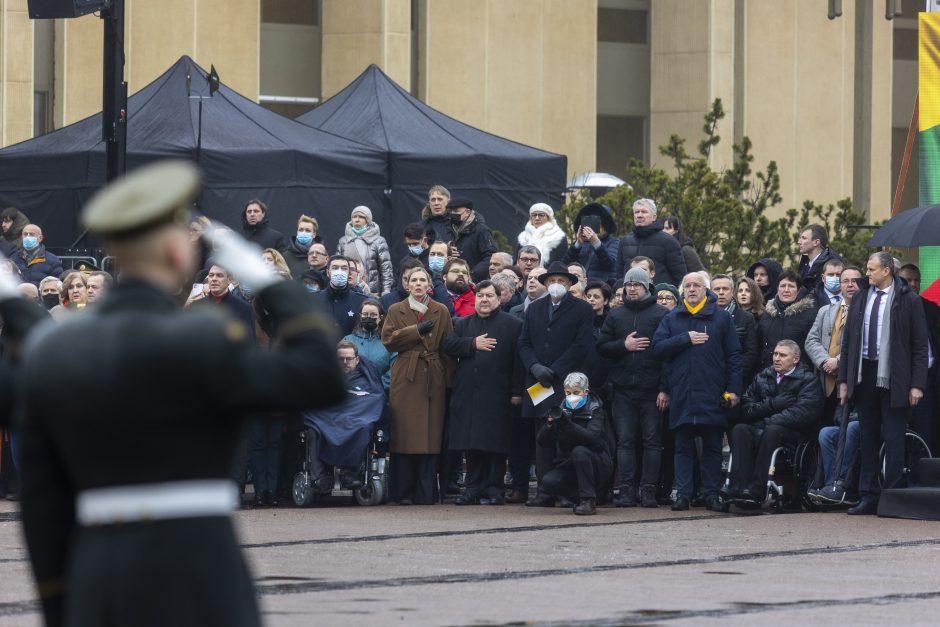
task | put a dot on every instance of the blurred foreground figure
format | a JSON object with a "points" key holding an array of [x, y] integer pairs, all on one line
{"points": [[126, 495]]}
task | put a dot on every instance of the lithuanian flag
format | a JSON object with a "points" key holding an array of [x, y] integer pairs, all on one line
{"points": [[928, 87]]}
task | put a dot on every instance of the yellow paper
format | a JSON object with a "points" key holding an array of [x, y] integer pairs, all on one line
{"points": [[539, 393]]}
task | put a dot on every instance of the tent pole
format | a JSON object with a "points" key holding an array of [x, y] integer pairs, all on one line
{"points": [[114, 90]]}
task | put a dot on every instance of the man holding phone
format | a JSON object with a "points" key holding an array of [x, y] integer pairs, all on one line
{"points": [[594, 246]]}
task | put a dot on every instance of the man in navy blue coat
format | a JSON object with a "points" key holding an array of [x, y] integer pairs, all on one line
{"points": [[556, 336], [701, 343]]}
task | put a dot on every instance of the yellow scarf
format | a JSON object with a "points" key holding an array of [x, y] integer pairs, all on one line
{"points": [[697, 308]]}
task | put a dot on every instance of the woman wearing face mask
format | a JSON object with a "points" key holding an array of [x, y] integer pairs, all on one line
{"points": [[297, 250], [367, 336], [415, 328], [364, 242]]}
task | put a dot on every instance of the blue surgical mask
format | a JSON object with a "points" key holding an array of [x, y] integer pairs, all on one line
{"points": [[416, 249], [832, 284], [304, 238], [312, 287], [359, 230], [30, 242], [339, 278], [575, 401], [436, 264]]}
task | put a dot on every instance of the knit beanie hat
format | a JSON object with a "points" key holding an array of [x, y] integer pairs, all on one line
{"points": [[637, 275]]}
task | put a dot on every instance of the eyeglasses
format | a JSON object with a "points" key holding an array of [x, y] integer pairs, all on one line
{"points": [[528, 260], [633, 286], [665, 299]]}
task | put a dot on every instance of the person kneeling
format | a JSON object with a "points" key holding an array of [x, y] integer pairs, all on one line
{"points": [[577, 434], [781, 407]]}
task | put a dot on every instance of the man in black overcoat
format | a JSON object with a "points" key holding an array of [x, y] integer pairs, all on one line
{"points": [[487, 383], [126, 495]]}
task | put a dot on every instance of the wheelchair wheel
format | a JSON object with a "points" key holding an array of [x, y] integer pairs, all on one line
{"points": [[302, 490], [805, 465], [373, 493], [915, 449]]}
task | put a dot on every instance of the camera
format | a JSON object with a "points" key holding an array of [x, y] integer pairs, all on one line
{"points": [[559, 414]]}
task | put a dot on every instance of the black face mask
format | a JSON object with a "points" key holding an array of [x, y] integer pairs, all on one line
{"points": [[455, 218], [50, 300], [369, 324]]}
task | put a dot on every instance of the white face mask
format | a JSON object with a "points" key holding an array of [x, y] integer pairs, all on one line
{"points": [[556, 290]]}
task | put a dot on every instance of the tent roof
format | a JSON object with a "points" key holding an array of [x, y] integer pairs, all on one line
{"points": [[241, 142], [375, 110]]}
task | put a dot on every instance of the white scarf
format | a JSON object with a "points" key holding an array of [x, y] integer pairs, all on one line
{"points": [[418, 306], [545, 238]]}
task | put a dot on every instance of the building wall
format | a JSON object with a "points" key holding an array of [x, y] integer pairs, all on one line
{"points": [[157, 34], [16, 72]]}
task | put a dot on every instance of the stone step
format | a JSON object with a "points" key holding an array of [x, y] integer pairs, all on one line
{"points": [[928, 472], [914, 503]]}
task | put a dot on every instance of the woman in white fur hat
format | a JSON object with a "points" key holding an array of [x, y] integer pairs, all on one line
{"points": [[363, 242], [543, 233]]}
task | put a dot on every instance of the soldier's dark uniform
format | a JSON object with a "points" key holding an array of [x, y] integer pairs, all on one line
{"points": [[139, 396]]}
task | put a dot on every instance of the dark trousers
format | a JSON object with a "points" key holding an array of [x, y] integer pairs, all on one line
{"points": [[632, 416], [264, 454], [751, 450], [667, 474], [579, 477], [412, 477], [544, 455], [685, 459], [485, 474], [521, 443], [878, 421], [922, 416]]}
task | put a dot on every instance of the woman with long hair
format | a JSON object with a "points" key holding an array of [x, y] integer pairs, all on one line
{"points": [[748, 295]]}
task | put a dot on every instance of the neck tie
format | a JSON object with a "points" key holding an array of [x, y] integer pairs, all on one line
{"points": [[873, 327], [835, 345], [779, 378]]}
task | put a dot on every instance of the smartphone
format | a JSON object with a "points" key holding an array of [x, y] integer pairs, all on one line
{"points": [[197, 289], [592, 222]]}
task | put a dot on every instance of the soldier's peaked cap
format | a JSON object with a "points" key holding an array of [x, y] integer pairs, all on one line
{"points": [[146, 198]]}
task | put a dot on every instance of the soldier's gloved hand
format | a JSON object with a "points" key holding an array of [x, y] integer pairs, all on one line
{"points": [[8, 284], [425, 327], [542, 374], [241, 258]]}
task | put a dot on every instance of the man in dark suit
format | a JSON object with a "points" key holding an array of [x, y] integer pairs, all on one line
{"points": [[744, 323], [883, 371], [556, 335], [126, 500], [924, 415]]}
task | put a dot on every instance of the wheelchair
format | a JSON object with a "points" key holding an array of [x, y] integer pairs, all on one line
{"points": [[374, 479], [792, 472], [915, 449]]}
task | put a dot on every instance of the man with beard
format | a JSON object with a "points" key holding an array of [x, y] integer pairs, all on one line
{"points": [[648, 239], [457, 280], [487, 384]]}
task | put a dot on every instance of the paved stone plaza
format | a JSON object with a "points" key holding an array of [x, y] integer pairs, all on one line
{"points": [[448, 565]]}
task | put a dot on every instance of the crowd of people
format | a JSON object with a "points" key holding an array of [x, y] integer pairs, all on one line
{"points": [[614, 362]]}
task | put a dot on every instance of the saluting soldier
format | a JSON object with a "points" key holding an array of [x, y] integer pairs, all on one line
{"points": [[126, 496]]}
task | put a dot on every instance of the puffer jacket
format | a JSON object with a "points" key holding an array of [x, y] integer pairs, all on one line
{"points": [[372, 250], [651, 241], [795, 403], [586, 427], [782, 322], [636, 372]]}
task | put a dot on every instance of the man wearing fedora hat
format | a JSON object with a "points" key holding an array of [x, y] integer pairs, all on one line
{"points": [[556, 336], [126, 496]]}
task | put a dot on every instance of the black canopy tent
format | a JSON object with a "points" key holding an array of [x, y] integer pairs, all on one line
{"points": [[246, 152], [424, 147]]}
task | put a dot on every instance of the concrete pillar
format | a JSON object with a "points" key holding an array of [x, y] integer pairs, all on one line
{"points": [[16, 72], [357, 33]]}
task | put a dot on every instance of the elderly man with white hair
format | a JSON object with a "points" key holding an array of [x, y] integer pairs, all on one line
{"points": [[544, 233], [649, 239]]}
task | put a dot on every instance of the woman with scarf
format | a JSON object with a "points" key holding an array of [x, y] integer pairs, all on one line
{"points": [[544, 233], [415, 328], [363, 242]]}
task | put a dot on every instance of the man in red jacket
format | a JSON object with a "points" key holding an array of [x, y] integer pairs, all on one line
{"points": [[457, 280]]}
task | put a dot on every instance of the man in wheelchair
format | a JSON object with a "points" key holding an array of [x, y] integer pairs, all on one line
{"points": [[780, 408], [339, 436]]}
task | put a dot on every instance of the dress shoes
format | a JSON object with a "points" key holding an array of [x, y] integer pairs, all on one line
{"points": [[586, 507], [541, 500], [517, 496], [868, 506], [682, 504]]}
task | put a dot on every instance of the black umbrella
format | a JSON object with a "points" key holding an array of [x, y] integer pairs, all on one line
{"points": [[909, 229]]}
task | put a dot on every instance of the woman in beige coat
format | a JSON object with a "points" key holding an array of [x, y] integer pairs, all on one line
{"points": [[415, 328]]}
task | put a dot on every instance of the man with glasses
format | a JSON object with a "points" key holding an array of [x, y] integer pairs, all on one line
{"points": [[457, 280], [529, 257], [317, 257], [639, 382]]}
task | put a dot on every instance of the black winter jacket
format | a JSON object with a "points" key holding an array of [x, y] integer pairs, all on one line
{"points": [[747, 335], [636, 373], [475, 243], [810, 274], [651, 241], [586, 427], [795, 403], [781, 322], [263, 235]]}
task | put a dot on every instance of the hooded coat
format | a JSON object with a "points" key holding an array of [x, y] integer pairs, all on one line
{"points": [[774, 269], [15, 235], [785, 322], [699, 375], [600, 262], [651, 241], [371, 249], [263, 235]]}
